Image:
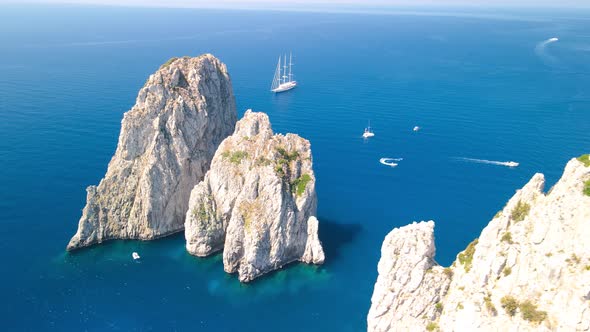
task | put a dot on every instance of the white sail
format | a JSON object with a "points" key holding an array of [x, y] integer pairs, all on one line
{"points": [[276, 81]]}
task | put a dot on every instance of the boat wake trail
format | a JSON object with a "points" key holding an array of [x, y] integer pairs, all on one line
{"points": [[491, 162], [540, 50], [390, 161]]}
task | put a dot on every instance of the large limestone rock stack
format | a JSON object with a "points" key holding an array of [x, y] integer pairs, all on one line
{"points": [[257, 203], [528, 271], [165, 147]]}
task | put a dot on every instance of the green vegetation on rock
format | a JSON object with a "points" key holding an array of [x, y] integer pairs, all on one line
{"points": [[168, 63], [298, 186], [466, 257], [448, 272], [510, 304], [573, 259], [235, 157], [584, 159], [200, 212], [432, 326], [520, 211], [529, 312], [288, 156], [507, 271], [587, 188], [439, 307], [249, 211], [528, 309], [282, 167], [489, 305], [261, 161], [507, 237]]}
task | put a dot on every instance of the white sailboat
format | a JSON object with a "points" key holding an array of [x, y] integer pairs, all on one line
{"points": [[368, 132], [285, 81]]}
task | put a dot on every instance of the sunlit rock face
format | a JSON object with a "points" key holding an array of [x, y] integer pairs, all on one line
{"points": [[257, 203], [528, 271], [166, 144]]}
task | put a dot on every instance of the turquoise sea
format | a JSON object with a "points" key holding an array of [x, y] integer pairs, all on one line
{"points": [[481, 84]]}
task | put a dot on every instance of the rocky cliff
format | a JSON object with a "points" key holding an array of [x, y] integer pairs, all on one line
{"points": [[257, 203], [528, 271], [165, 147]]}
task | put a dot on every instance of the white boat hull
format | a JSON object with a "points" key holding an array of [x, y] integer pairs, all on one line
{"points": [[285, 87]]}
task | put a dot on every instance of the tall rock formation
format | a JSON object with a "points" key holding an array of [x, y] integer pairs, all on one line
{"points": [[165, 147], [528, 271], [257, 203]]}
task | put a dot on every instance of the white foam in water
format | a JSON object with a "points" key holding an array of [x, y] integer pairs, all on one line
{"points": [[491, 162], [390, 161], [540, 49]]}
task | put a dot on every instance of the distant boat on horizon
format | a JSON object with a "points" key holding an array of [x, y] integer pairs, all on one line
{"points": [[283, 81], [368, 132]]}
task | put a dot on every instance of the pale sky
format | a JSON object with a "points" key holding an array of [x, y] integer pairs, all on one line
{"points": [[317, 3]]}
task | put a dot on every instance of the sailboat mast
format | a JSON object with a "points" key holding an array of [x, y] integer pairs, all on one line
{"points": [[290, 66], [276, 81], [285, 69]]}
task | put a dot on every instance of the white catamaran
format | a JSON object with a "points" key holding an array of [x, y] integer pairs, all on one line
{"points": [[285, 81]]}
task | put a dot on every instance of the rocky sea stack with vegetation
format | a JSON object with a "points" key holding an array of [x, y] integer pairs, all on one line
{"points": [[528, 271], [257, 203]]}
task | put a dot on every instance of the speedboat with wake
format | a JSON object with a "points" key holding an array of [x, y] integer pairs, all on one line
{"points": [[391, 162]]}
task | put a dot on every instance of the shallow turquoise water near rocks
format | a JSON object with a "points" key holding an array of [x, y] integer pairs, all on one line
{"points": [[477, 86]]}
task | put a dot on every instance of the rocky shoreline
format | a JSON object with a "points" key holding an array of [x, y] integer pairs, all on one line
{"points": [[528, 271]]}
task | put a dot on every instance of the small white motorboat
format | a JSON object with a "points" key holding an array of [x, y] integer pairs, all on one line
{"points": [[511, 164], [368, 132], [135, 256], [416, 128]]}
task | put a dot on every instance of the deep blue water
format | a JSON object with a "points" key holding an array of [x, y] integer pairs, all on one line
{"points": [[476, 84]]}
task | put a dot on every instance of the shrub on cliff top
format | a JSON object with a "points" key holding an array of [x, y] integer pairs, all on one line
{"points": [[448, 272], [587, 188], [466, 257], [169, 62], [585, 159], [520, 211]]}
